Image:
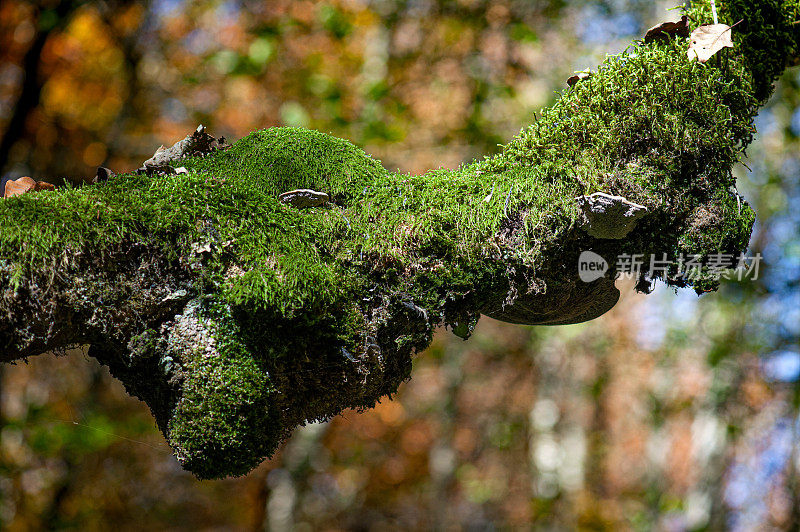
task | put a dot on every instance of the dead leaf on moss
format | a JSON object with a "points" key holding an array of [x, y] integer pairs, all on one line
{"points": [[24, 185], [198, 143], [578, 76], [103, 174], [708, 39], [668, 30]]}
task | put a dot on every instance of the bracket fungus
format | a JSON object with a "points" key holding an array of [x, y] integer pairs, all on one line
{"points": [[304, 198], [607, 216]]}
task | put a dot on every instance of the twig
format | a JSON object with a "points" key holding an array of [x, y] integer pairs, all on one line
{"points": [[508, 197]]}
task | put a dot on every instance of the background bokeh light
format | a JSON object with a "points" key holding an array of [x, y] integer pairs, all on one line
{"points": [[670, 412]]}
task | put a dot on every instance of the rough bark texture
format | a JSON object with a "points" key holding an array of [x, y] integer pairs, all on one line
{"points": [[237, 317]]}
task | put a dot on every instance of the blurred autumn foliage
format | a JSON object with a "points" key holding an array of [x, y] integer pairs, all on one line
{"points": [[668, 413]]}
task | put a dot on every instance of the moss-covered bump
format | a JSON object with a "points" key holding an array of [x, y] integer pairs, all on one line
{"points": [[224, 421], [284, 159]]}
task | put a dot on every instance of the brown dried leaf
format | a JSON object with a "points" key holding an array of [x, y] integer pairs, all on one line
{"points": [[708, 39], [667, 30], [44, 185], [103, 174], [578, 76], [198, 143], [19, 186], [24, 185]]}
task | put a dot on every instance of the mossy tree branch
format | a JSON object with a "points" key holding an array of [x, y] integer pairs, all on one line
{"points": [[237, 317]]}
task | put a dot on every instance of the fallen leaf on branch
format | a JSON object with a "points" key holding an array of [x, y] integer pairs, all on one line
{"points": [[668, 30], [24, 185], [709, 39], [102, 175], [578, 76], [197, 143]]}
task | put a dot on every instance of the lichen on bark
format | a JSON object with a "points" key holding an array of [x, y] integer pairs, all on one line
{"points": [[238, 317]]}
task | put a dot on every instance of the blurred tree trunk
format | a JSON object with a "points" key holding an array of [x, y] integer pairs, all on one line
{"points": [[47, 22]]}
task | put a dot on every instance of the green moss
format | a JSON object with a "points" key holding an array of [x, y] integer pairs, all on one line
{"points": [[281, 159], [224, 420]]}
